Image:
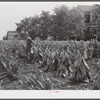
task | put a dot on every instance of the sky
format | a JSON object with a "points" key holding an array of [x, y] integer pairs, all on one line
{"points": [[13, 12]]}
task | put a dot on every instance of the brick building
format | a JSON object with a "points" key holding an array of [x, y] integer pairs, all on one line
{"points": [[10, 35], [87, 13]]}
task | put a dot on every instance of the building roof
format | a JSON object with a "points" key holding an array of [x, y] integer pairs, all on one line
{"points": [[85, 8], [12, 33]]}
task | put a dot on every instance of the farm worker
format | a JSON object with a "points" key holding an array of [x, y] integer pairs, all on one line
{"points": [[29, 46]]}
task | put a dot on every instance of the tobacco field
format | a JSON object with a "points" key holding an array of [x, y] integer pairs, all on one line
{"points": [[54, 65]]}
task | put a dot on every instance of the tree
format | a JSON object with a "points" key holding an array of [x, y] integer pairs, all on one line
{"points": [[68, 22], [64, 23], [61, 16], [45, 24], [24, 27], [35, 26]]}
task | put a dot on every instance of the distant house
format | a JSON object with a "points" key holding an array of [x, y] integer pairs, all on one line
{"points": [[11, 35], [86, 12]]}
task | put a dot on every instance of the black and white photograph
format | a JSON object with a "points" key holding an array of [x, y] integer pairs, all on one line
{"points": [[50, 46]]}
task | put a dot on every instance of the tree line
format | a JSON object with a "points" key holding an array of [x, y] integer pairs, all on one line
{"points": [[62, 24]]}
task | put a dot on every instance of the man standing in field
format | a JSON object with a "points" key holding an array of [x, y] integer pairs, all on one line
{"points": [[29, 46]]}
